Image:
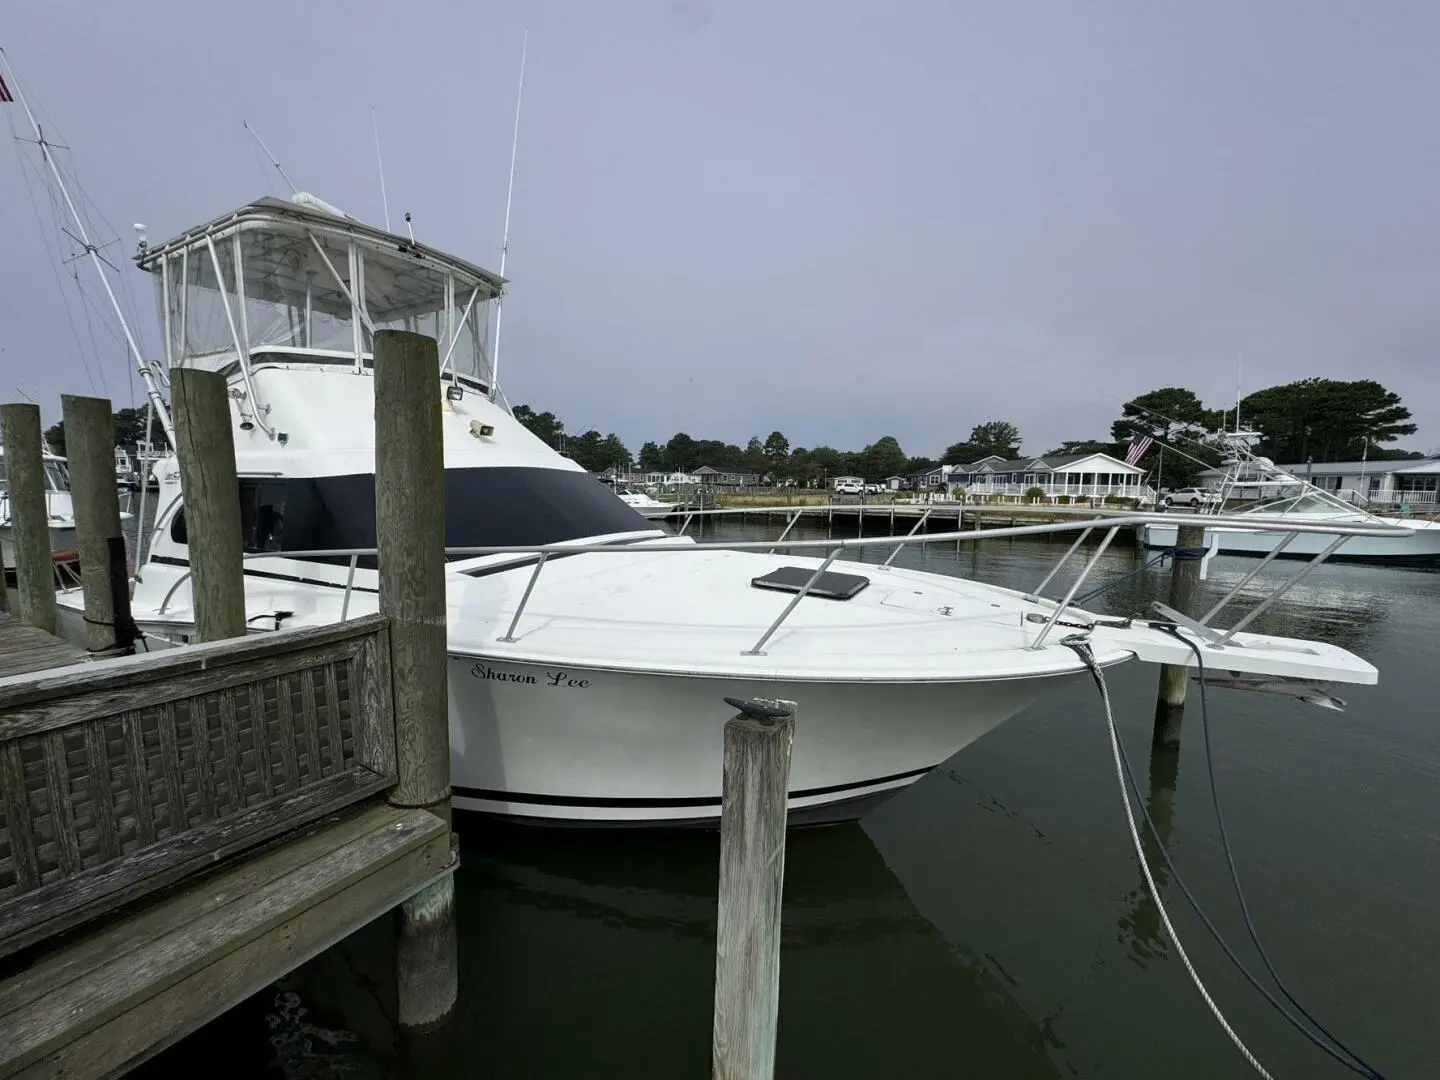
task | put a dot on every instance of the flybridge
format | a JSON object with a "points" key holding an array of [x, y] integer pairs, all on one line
{"points": [[311, 284]]}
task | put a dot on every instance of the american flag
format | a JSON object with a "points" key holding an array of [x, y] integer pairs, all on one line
{"points": [[1139, 444], [4, 91]]}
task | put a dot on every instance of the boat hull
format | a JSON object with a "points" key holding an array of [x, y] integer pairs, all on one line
{"points": [[560, 745], [1420, 549]]}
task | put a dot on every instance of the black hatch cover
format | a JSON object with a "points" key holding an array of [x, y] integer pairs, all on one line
{"points": [[830, 585]]}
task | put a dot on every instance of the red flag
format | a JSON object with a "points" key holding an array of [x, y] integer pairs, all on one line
{"points": [[4, 91]]}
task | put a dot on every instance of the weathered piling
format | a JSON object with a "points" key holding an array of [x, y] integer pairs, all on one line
{"points": [[752, 874], [90, 451], [1174, 678], [410, 538], [34, 596], [205, 445]]}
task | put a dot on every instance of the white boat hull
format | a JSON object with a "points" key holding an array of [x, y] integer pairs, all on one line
{"points": [[1421, 548], [607, 747]]}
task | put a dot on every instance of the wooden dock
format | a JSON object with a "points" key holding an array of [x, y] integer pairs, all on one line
{"points": [[143, 887], [24, 648]]}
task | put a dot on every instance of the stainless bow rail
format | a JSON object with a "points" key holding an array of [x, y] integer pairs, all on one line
{"points": [[648, 543]]}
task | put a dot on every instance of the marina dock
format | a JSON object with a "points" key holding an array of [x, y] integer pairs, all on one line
{"points": [[182, 828], [899, 518], [25, 648]]}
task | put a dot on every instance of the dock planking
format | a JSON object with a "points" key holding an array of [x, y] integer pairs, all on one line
{"points": [[25, 648]]}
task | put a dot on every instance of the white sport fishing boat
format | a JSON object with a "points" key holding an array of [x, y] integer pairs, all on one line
{"points": [[645, 504], [1272, 492], [57, 507], [590, 653]]}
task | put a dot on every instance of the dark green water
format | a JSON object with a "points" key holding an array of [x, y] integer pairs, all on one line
{"points": [[989, 922]]}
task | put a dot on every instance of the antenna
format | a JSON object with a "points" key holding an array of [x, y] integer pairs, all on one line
{"points": [[505, 236], [93, 251], [380, 161], [1239, 364], [408, 227], [294, 189]]}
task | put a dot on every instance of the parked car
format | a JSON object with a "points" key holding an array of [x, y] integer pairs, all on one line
{"points": [[1190, 496], [849, 487]]}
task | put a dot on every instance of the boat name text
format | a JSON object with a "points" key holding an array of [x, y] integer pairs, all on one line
{"points": [[550, 678]]}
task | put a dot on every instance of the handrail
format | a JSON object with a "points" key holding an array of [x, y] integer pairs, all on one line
{"points": [[755, 650], [1275, 551], [349, 587], [1074, 587], [835, 547], [779, 539], [891, 557], [524, 599], [1063, 560]]}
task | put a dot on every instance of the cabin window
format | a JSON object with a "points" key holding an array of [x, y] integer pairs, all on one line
{"points": [[487, 507], [177, 527], [262, 514]]}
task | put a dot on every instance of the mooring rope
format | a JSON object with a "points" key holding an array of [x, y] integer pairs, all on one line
{"points": [[1344, 1055]]}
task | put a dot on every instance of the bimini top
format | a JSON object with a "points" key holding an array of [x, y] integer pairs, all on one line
{"points": [[270, 211]]}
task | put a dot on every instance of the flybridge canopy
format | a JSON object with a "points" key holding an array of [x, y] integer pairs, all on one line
{"points": [[313, 280]]}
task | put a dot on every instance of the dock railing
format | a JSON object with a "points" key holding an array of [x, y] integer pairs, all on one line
{"points": [[119, 778]]}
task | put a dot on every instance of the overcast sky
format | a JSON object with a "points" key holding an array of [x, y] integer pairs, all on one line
{"points": [[842, 220]]}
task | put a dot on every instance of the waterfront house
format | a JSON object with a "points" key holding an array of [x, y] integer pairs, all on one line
{"points": [[1092, 476], [736, 477]]}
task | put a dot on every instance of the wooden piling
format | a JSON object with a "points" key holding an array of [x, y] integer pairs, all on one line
{"points": [[1175, 678], [752, 876], [205, 445], [34, 596], [410, 537], [90, 452]]}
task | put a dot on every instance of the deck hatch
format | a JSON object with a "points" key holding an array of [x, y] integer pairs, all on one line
{"points": [[830, 585]]}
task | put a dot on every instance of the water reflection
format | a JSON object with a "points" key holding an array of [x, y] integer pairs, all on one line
{"points": [[1140, 929], [610, 936]]}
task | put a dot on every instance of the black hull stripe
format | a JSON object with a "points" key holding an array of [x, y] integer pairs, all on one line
{"points": [[532, 799]]}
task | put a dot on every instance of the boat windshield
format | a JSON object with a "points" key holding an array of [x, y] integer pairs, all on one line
{"points": [[276, 276], [1311, 503], [486, 507]]}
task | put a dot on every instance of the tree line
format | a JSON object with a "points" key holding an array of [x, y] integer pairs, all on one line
{"points": [[1313, 419], [772, 456]]}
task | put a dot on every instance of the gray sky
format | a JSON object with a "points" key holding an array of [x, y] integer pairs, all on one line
{"points": [[842, 220]]}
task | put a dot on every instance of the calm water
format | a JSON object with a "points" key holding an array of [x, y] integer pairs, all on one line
{"points": [[989, 922]]}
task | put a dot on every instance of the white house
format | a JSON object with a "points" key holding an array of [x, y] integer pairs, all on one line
{"points": [[1069, 475]]}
